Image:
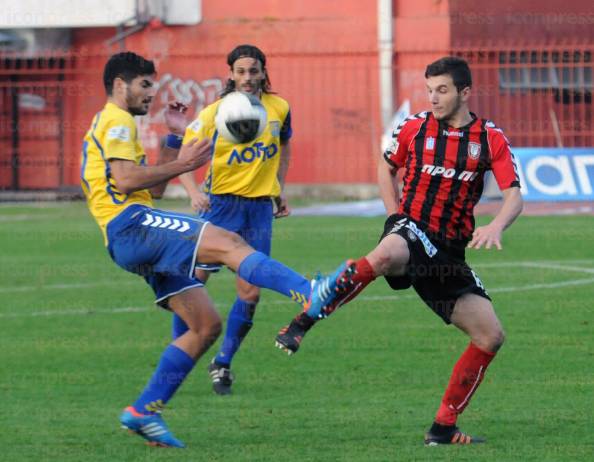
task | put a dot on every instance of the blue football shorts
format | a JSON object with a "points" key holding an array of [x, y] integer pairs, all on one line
{"points": [[158, 245], [251, 218]]}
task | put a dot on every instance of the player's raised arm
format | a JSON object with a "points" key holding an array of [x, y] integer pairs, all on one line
{"points": [[176, 120], [130, 177], [198, 199]]}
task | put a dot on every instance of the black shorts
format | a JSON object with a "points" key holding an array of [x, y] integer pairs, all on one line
{"points": [[439, 274]]}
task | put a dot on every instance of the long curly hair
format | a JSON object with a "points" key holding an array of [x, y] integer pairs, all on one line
{"points": [[247, 51]]}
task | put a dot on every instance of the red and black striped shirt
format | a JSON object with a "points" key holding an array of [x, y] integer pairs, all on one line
{"points": [[444, 169]]}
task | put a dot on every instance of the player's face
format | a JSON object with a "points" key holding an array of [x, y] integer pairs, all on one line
{"points": [[139, 94], [444, 97], [248, 75]]}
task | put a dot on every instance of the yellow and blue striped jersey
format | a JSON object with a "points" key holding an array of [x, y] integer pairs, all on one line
{"points": [[113, 135], [249, 169]]}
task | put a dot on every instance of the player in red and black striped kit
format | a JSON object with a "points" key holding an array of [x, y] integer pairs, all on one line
{"points": [[445, 154]]}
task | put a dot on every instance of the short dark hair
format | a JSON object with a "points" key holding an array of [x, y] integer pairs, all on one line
{"points": [[457, 68], [247, 51], [127, 66]]}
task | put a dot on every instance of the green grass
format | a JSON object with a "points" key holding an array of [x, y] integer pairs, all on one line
{"points": [[364, 387]]}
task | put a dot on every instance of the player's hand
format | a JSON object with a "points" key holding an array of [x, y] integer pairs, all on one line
{"points": [[282, 207], [488, 236], [200, 201], [195, 153], [176, 117]]}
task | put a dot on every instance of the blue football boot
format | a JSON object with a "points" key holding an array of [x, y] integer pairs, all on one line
{"points": [[151, 427], [327, 294], [322, 293]]}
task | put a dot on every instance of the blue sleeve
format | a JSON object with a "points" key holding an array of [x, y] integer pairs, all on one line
{"points": [[286, 131]]}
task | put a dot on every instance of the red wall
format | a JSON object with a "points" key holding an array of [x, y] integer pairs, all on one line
{"points": [[521, 23], [321, 58]]}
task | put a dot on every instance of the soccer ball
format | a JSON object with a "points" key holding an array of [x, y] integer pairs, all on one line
{"points": [[240, 117]]}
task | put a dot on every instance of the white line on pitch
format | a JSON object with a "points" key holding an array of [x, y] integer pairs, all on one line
{"points": [[86, 312], [85, 285], [554, 285], [538, 265], [76, 312], [78, 285]]}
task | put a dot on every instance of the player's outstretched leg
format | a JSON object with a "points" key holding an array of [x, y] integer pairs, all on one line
{"points": [[220, 246], [328, 293], [223, 247], [204, 326]]}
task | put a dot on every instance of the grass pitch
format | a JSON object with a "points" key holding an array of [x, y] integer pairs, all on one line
{"points": [[80, 337]]}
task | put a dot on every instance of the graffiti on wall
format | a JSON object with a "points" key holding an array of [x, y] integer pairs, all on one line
{"points": [[196, 95], [349, 121]]}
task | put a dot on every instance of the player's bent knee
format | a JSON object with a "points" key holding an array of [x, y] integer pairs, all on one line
{"points": [[490, 341], [215, 329], [390, 256], [249, 295], [210, 329], [380, 263], [250, 298], [498, 340], [228, 241], [218, 245]]}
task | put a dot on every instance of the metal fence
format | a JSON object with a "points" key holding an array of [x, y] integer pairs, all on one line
{"points": [[540, 97]]}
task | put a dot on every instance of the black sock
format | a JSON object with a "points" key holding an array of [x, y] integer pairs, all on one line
{"points": [[305, 321], [438, 429]]}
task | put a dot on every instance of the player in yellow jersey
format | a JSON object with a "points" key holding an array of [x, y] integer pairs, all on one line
{"points": [[163, 247], [237, 194]]}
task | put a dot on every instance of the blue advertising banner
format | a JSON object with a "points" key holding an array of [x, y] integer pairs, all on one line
{"points": [[556, 174]]}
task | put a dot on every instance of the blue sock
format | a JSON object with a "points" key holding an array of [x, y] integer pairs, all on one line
{"points": [[260, 270], [174, 366], [178, 327], [239, 324]]}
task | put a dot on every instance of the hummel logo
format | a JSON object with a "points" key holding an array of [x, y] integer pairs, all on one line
{"points": [[157, 221], [399, 224], [453, 133]]}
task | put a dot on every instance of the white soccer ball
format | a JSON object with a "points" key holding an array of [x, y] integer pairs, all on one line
{"points": [[240, 117]]}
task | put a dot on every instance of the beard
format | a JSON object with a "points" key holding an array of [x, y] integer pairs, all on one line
{"points": [[135, 107], [137, 111]]}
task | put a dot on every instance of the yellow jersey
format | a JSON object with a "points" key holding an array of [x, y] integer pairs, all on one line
{"points": [[249, 169], [113, 135]]}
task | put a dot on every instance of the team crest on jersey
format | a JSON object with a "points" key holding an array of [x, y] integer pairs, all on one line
{"points": [[275, 128], [474, 150], [430, 143], [195, 126], [121, 133]]}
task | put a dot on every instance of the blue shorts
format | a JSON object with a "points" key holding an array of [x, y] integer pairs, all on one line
{"points": [[158, 245], [251, 218]]}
